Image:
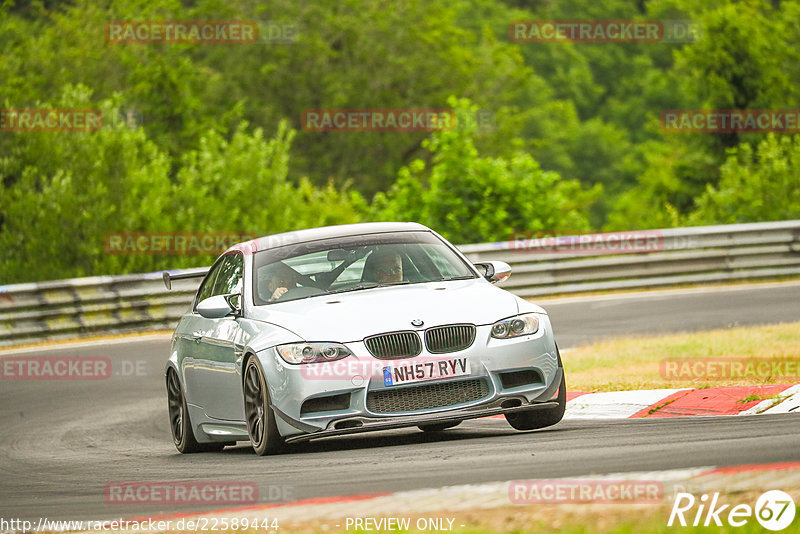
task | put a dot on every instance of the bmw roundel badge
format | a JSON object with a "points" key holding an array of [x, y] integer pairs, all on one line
{"points": [[417, 322]]}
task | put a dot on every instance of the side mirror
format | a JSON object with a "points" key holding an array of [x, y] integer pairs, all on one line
{"points": [[235, 302], [494, 271], [217, 306]]}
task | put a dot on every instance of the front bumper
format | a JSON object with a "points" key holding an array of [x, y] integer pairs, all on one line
{"points": [[291, 386], [499, 406]]}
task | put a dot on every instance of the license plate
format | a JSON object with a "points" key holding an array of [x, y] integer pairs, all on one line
{"points": [[408, 372]]}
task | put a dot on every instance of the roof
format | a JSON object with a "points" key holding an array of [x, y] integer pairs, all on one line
{"points": [[327, 232]]}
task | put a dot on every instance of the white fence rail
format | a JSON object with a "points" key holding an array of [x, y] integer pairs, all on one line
{"points": [[654, 258]]}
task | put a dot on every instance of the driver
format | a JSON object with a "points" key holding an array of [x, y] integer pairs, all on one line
{"points": [[383, 267], [282, 280]]}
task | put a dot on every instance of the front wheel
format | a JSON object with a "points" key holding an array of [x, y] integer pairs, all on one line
{"points": [[541, 418], [179, 422], [544, 417], [261, 423]]}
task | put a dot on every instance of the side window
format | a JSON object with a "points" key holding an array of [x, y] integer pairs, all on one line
{"points": [[230, 275], [352, 273], [208, 284]]}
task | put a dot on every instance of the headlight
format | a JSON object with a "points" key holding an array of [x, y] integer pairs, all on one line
{"points": [[296, 353], [521, 325]]}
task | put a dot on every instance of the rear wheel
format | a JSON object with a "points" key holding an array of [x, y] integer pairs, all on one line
{"points": [[543, 417], [261, 424], [438, 427], [179, 422]]}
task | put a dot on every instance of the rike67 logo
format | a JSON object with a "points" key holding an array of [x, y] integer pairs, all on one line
{"points": [[774, 510]]}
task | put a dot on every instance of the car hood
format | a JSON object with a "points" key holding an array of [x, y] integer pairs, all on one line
{"points": [[355, 315]]}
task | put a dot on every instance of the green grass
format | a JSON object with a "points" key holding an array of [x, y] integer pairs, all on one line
{"points": [[634, 363]]}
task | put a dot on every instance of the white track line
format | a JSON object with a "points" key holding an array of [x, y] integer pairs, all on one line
{"points": [[790, 396], [615, 404]]}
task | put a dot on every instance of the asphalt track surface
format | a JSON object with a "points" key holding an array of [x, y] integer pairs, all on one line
{"points": [[583, 320], [63, 441]]}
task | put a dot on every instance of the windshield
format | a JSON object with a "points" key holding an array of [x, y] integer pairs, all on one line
{"points": [[353, 263]]}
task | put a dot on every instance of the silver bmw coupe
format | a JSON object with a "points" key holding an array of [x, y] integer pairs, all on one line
{"points": [[355, 328]]}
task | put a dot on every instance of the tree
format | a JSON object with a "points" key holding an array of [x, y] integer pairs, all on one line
{"points": [[62, 192], [469, 198], [755, 185], [242, 186]]}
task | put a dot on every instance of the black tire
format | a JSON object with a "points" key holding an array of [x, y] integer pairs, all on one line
{"points": [[438, 427], [544, 417], [261, 424], [179, 422]]}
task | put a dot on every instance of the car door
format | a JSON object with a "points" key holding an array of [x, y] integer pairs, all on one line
{"points": [[188, 336], [218, 354]]}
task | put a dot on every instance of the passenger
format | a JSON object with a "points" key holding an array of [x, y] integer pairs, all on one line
{"points": [[383, 267]]}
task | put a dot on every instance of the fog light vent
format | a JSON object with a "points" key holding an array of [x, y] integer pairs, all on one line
{"points": [[331, 403], [525, 377], [348, 423]]}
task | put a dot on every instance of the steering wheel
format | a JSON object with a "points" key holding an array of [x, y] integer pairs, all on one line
{"points": [[299, 292]]}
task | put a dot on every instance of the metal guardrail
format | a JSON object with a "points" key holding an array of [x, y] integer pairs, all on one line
{"points": [[699, 254], [64, 309], [113, 304]]}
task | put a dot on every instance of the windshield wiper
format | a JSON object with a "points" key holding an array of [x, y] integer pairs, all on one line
{"points": [[449, 278], [366, 285]]}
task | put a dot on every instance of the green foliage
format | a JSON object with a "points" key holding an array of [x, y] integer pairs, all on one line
{"points": [[469, 198], [242, 184], [756, 185], [61, 194], [746, 58], [213, 130], [660, 197]]}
